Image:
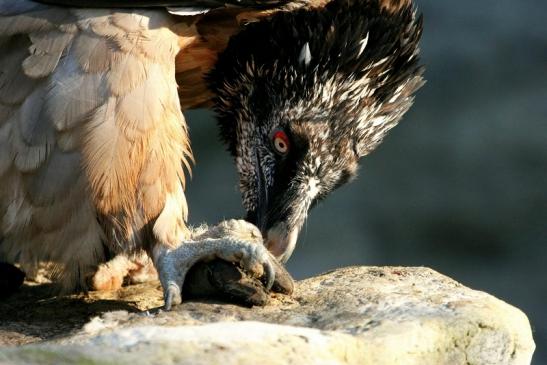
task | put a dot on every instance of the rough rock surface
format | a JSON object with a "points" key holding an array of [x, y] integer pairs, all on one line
{"points": [[357, 315]]}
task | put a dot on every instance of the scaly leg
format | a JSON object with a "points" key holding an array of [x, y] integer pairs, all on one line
{"points": [[235, 241]]}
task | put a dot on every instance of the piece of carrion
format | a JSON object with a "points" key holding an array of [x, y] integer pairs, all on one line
{"points": [[226, 282]]}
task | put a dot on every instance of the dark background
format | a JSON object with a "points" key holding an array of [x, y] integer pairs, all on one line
{"points": [[459, 186]]}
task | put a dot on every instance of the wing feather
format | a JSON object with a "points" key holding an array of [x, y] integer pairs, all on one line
{"points": [[69, 140], [15, 86], [6, 156], [24, 17], [53, 217], [31, 139], [92, 53], [41, 191], [32, 130], [73, 95], [45, 52], [6, 111]]}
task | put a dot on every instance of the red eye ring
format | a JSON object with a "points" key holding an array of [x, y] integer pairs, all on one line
{"points": [[280, 142]]}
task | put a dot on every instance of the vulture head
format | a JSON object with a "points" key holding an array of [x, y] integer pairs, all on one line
{"points": [[303, 95]]}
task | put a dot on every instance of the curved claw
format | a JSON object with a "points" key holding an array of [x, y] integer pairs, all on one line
{"points": [[269, 275], [171, 295]]}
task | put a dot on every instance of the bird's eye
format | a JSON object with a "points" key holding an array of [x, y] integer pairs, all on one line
{"points": [[280, 142]]}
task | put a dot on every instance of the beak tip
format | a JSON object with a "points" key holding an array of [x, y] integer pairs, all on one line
{"points": [[281, 241]]}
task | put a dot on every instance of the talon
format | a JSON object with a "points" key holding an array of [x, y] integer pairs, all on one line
{"points": [[167, 305], [269, 275], [172, 296]]}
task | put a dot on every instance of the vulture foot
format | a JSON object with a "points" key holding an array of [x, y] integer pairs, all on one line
{"points": [[235, 241]]}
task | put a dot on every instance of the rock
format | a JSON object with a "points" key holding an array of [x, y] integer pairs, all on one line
{"points": [[357, 315]]}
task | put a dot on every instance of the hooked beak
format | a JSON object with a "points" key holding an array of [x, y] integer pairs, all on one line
{"points": [[280, 239]]}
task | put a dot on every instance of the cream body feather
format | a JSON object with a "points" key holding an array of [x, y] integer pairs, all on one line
{"points": [[92, 137]]}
